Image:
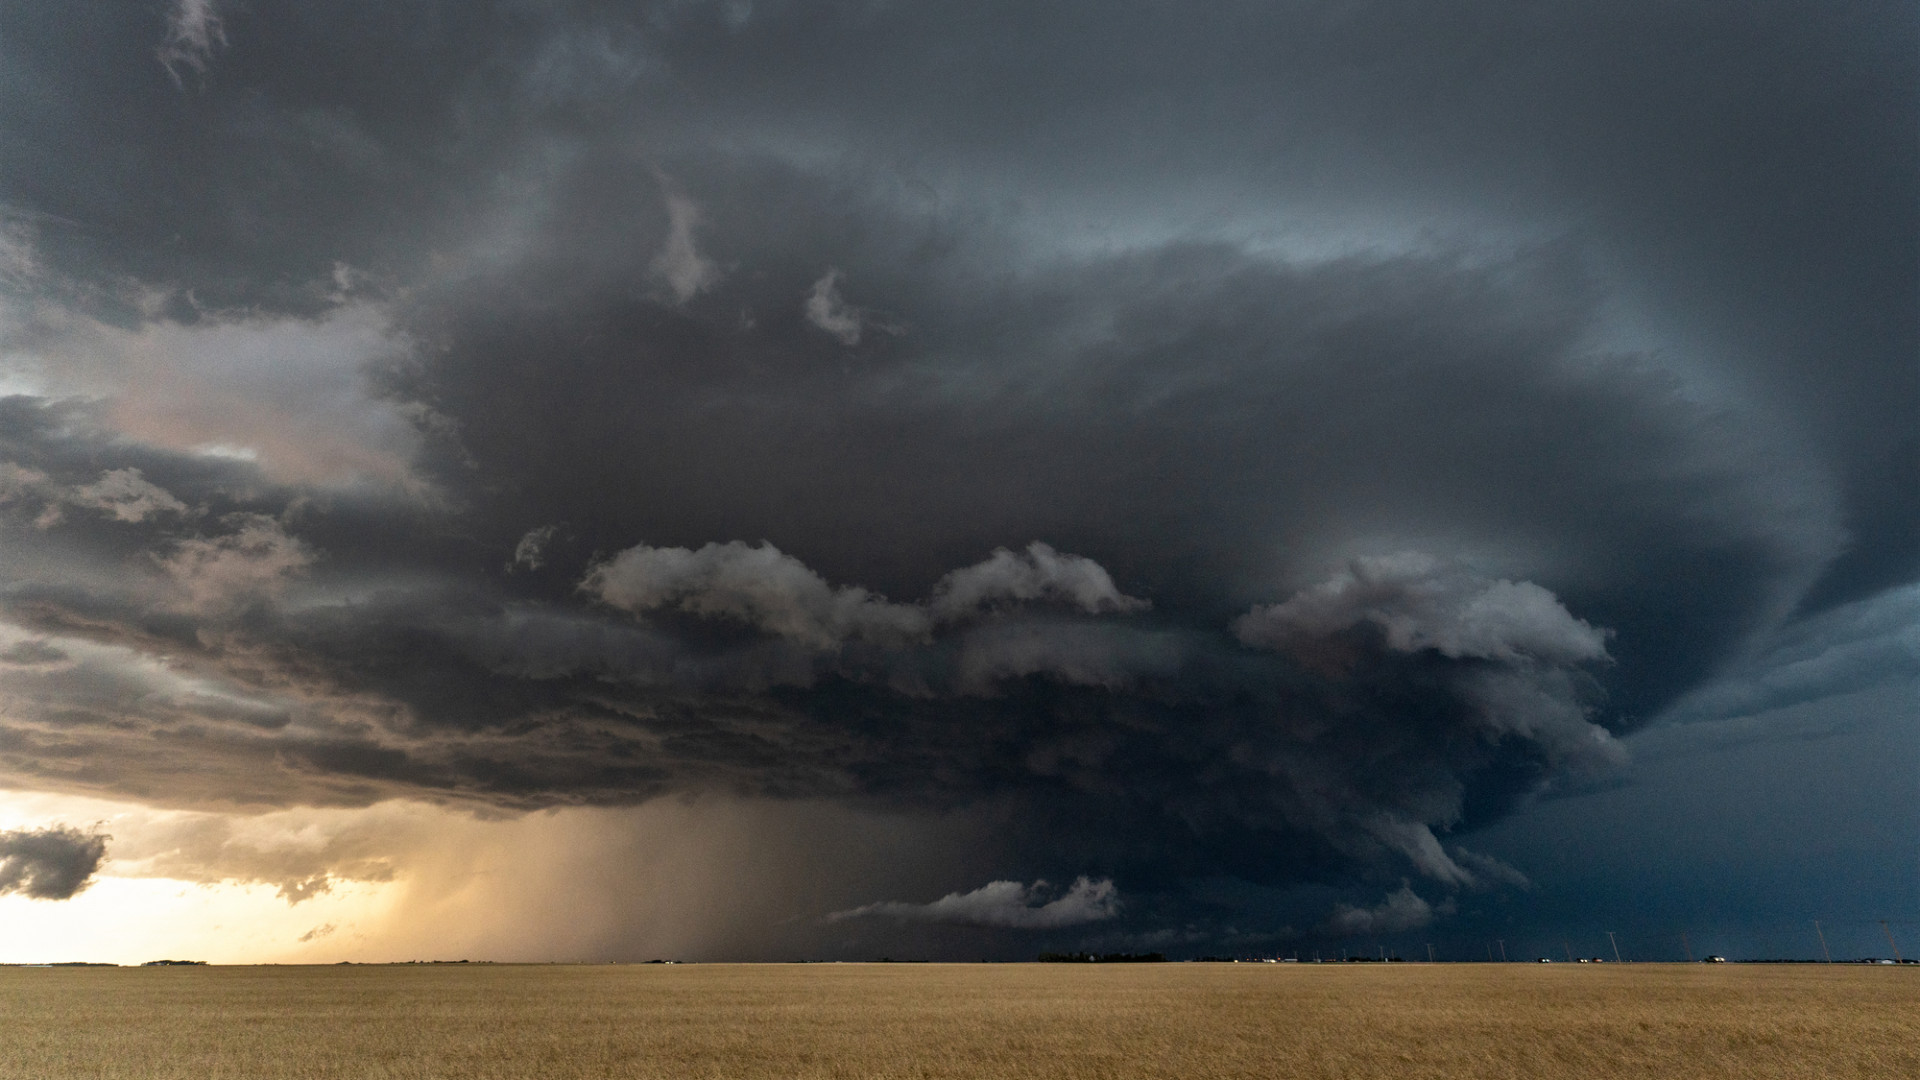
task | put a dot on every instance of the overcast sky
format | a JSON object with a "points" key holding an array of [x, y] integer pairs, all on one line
{"points": [[826, 479]]}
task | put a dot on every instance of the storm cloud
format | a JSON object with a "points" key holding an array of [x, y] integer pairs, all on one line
{"points": [[49, 864], [950, 409]]}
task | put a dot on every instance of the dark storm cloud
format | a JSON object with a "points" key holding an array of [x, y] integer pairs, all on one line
{"points": [[1248, 441], [49, 864]]}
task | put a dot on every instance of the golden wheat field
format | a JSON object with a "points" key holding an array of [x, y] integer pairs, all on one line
{"points": [[1018, 1020]]}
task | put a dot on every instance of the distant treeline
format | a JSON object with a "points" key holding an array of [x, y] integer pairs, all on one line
{"points": [[1102, 958]]}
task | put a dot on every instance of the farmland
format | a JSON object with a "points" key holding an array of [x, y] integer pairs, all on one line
{"points": [[925, 1021]]}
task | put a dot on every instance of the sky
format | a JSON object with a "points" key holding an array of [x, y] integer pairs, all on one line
{"points": [[761, 480]]}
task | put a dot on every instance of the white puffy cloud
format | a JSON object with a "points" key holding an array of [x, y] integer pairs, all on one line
{"points": [[770, 590], [760, 586], [1008, 904], [1038, 573]]}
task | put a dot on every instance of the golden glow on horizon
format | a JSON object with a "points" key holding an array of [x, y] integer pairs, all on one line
{"points": [[132, 920], [134, 912], [706, 878]]}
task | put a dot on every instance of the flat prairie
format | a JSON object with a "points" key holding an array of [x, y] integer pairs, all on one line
{"points": [[1057, 1021]]}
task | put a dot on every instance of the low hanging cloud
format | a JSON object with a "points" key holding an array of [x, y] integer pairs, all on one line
{"points": [[1037, 573], [1007, 904], [49, 864], [1402, 910], [759, 586], [1416, 602], [1522, 653], [765, 588]]}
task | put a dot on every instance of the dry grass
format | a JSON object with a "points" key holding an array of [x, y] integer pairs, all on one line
{"points": [[1057, 1021]]}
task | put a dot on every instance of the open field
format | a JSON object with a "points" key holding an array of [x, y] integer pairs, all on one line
{"points": [[1055, 1021]]}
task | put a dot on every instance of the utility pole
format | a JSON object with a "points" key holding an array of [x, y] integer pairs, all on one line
{"points": [[1823, 942], [1568, 945], [1429, 952], [1616, 947], [1896, 949], [1503, 949], [1489, 954], [1684, 945]]}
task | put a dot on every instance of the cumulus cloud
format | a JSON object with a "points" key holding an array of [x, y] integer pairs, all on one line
{"points": [[770, 590], [1531, 684], [1402, 910], [1416, 602], [1034, 574], [1008, 904], [759, 586], [49, 864]]}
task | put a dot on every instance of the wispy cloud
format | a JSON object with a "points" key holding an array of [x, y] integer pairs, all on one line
{"points": [[195, 31]]}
